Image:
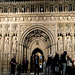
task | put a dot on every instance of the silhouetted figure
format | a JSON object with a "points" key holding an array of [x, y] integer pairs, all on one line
{"points": [[64, 62], [49, 64], [36, 63], [13, 65], [69, 65], [56, 63], [25, 65], [44, 67]]}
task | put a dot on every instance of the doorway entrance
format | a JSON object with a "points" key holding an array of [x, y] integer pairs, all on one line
{"points": [[41, 59]]}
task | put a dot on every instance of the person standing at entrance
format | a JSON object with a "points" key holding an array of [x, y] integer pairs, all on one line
{"points": [[13, 65], [36, 63], [49, 64], [44, 67], [25, 65]]}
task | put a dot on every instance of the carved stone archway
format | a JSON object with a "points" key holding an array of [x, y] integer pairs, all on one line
{"points": [[36, 36]]}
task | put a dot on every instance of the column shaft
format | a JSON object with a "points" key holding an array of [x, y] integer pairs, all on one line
{"points": [[64, 42], [73, 46]]}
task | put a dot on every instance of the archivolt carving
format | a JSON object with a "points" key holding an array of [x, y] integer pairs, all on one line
{"points": [[37, 34]]}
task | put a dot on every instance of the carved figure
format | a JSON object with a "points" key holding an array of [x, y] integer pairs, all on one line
{"points": [[60, 44], [6, 44], [68, 43], [14, 44]]}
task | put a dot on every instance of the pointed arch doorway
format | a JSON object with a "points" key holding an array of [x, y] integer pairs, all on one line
{"points": [[36, 39], [41, 59]]}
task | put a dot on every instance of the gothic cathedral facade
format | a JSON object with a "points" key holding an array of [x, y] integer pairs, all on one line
{"points": [[30, 27]]}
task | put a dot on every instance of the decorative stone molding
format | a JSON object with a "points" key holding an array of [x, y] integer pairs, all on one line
{"points": [[37, 18]]}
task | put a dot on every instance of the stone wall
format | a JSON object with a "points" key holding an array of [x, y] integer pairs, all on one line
{"points": [[20, 33]]}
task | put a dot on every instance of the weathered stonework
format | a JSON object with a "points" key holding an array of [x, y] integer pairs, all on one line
{"points": [[22, 32]]}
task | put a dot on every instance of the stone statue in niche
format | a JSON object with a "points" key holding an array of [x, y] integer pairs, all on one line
{"points": [[68, 43], [65, 8], [6, 44], [60, 43], [56, 8], [14, 44]]}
